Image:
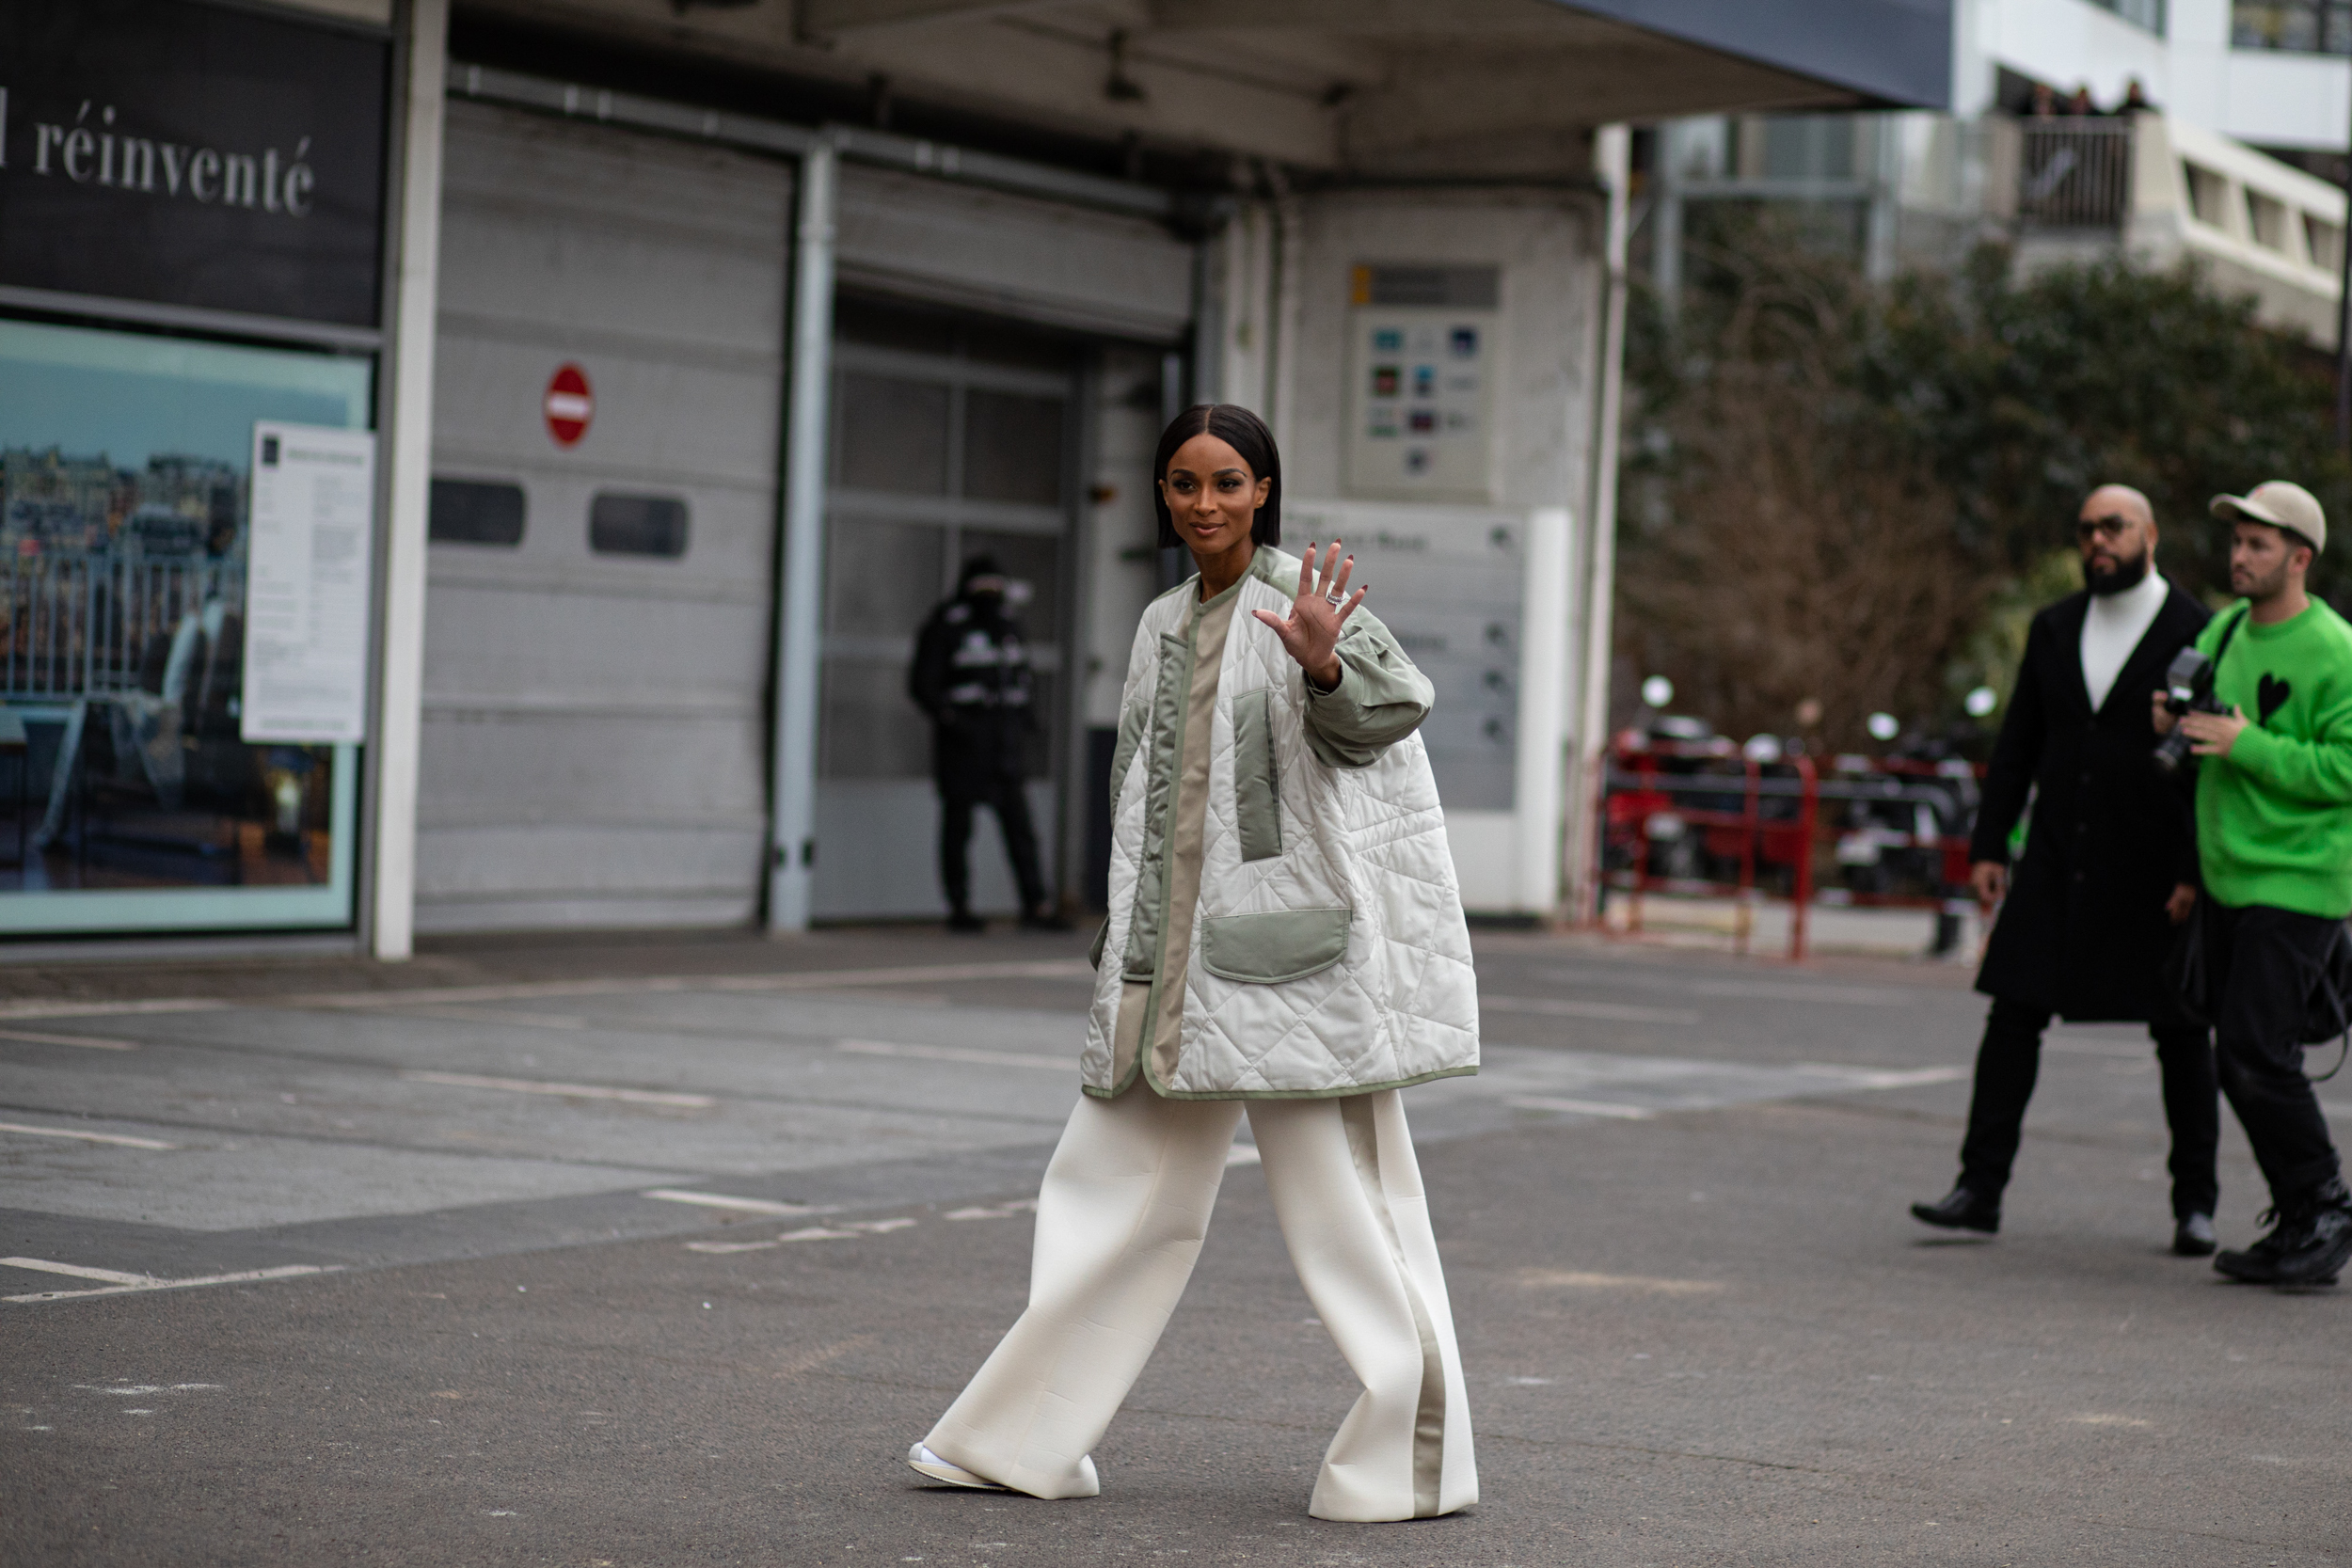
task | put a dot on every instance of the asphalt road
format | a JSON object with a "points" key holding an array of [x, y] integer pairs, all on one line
{"points": [[656, 1252]]}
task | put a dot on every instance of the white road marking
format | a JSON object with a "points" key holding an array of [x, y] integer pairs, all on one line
{"points": [[1884, 1078], [143, 1389], [1577, 1279], [845, 1230], [730, 1246], [957, 1053], [817, 979], [288, 1271], [1613, 1012], [1582, 1107], [491, 1015], [116, 1138], [110, 1276], [87, 1043], [123, 1009], [564, 1091], [1025, 1206], [725, 1200]]}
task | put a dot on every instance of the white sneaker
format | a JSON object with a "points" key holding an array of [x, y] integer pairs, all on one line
{"points": [[929, 1463]]}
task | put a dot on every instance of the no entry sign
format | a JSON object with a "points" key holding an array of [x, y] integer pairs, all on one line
{"points": [[569, 406]]}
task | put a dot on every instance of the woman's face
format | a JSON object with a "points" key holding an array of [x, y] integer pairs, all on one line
{"points": [[1212, 496]]}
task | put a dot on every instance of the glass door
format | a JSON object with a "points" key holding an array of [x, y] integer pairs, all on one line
{"points": [[951, 439]]}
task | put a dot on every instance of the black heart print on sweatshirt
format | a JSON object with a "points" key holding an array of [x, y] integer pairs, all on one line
{"points": [[2270, 695]]}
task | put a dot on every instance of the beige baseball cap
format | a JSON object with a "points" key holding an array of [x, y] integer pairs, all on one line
{"points": [[2282, 505]]}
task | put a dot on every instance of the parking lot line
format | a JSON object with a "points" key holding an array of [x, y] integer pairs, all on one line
{"points": [[246, 1276], [86, 1042], [564, 1091], [957, 1053], [724, 1200], [109, 1277], [126, 1141], [1582, 1107]]}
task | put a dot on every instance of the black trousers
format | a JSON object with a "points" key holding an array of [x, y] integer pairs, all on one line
{"points": [[2009, 1060], [1002, 795], [2261, 967]]}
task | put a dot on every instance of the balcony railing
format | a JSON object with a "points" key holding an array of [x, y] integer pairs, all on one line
{"points": [[76, 626], [2075, 173]]}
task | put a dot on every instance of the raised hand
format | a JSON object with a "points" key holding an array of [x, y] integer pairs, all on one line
{"points": [[1312, 633]]}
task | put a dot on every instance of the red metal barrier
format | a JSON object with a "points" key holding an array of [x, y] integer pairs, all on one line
{"points": [[1639, 788]]}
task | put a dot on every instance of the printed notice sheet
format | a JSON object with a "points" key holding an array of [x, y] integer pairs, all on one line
{"points": [[306, 637]]}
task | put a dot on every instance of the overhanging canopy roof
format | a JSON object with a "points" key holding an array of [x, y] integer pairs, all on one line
{"points": [[1396, 87], [1896, 53]]}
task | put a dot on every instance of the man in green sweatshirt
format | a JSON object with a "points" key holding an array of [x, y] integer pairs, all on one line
{"points": [[2274, 842]]}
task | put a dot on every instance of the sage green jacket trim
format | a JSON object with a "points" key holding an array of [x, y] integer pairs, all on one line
{"points": [[1340, 1092], [1159, 804]]}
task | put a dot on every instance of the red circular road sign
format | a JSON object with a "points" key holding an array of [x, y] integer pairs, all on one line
{"points": [[569, 406]]}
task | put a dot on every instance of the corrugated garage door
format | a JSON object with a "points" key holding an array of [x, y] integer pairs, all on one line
{"points": [[598, 622]]}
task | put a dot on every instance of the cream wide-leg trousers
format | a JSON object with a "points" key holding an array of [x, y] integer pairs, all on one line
{"points": [[1119, 1221]]}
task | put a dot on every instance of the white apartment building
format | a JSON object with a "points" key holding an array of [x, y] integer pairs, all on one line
{"points": [[2238, 163]]}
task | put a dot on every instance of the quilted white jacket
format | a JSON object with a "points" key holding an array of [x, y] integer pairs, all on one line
{"points": [[1328, 952]]}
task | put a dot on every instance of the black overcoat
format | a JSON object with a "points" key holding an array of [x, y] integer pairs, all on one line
{"points": [[2083, 932]]}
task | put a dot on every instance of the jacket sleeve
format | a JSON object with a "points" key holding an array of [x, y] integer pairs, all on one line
{"points": [[927, 677], [2016, 755], [2319, 770], [1381, 698]]}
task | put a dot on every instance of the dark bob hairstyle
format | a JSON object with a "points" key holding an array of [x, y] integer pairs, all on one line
{"points": [[1247, 434]]}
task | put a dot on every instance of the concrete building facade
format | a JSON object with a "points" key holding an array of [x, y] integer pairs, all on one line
{"points": [[699, 346]]}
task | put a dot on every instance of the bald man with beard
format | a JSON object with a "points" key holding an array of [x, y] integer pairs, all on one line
{"points": [[2109, 866]]}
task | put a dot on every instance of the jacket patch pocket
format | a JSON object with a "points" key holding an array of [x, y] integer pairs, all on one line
{"points": [[1257, 791], [1268, 948]]}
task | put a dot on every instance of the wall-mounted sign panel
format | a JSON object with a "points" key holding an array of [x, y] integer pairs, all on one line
{"points": [[306, 659], [184, 153], [1421, 372], [1447, 583], [1479, 597]]}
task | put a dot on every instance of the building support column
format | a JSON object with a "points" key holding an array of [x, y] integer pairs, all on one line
{"points": [[1598, 557], [800, 596], [408, 480]]}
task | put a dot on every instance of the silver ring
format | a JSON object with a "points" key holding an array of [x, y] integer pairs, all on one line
{"points": [[1333, 599]]}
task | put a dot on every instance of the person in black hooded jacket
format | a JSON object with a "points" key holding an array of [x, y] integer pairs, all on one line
{"points": [[2110, 868], [971, 678]]}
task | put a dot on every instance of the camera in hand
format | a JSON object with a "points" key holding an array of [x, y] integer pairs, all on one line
{"points": [[2188, 688]]}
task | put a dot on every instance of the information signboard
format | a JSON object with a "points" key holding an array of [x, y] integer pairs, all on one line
{"points": [[1421, 380], [1449, 583], [305, 661]]}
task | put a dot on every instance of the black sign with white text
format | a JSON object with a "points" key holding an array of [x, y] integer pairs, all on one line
{"points": [[186, 153]]}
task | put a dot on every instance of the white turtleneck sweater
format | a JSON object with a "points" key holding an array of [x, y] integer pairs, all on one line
{"points": [[2113, 629]]}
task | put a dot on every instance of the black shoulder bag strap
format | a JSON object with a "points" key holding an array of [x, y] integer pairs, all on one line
{"points": [[2227, 632]]}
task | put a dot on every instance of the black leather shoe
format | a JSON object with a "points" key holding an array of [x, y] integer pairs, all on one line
{"points": [[1960, 1209], [2309, 1245], [2193, 1237], [965, 921], [1045, 918]]}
